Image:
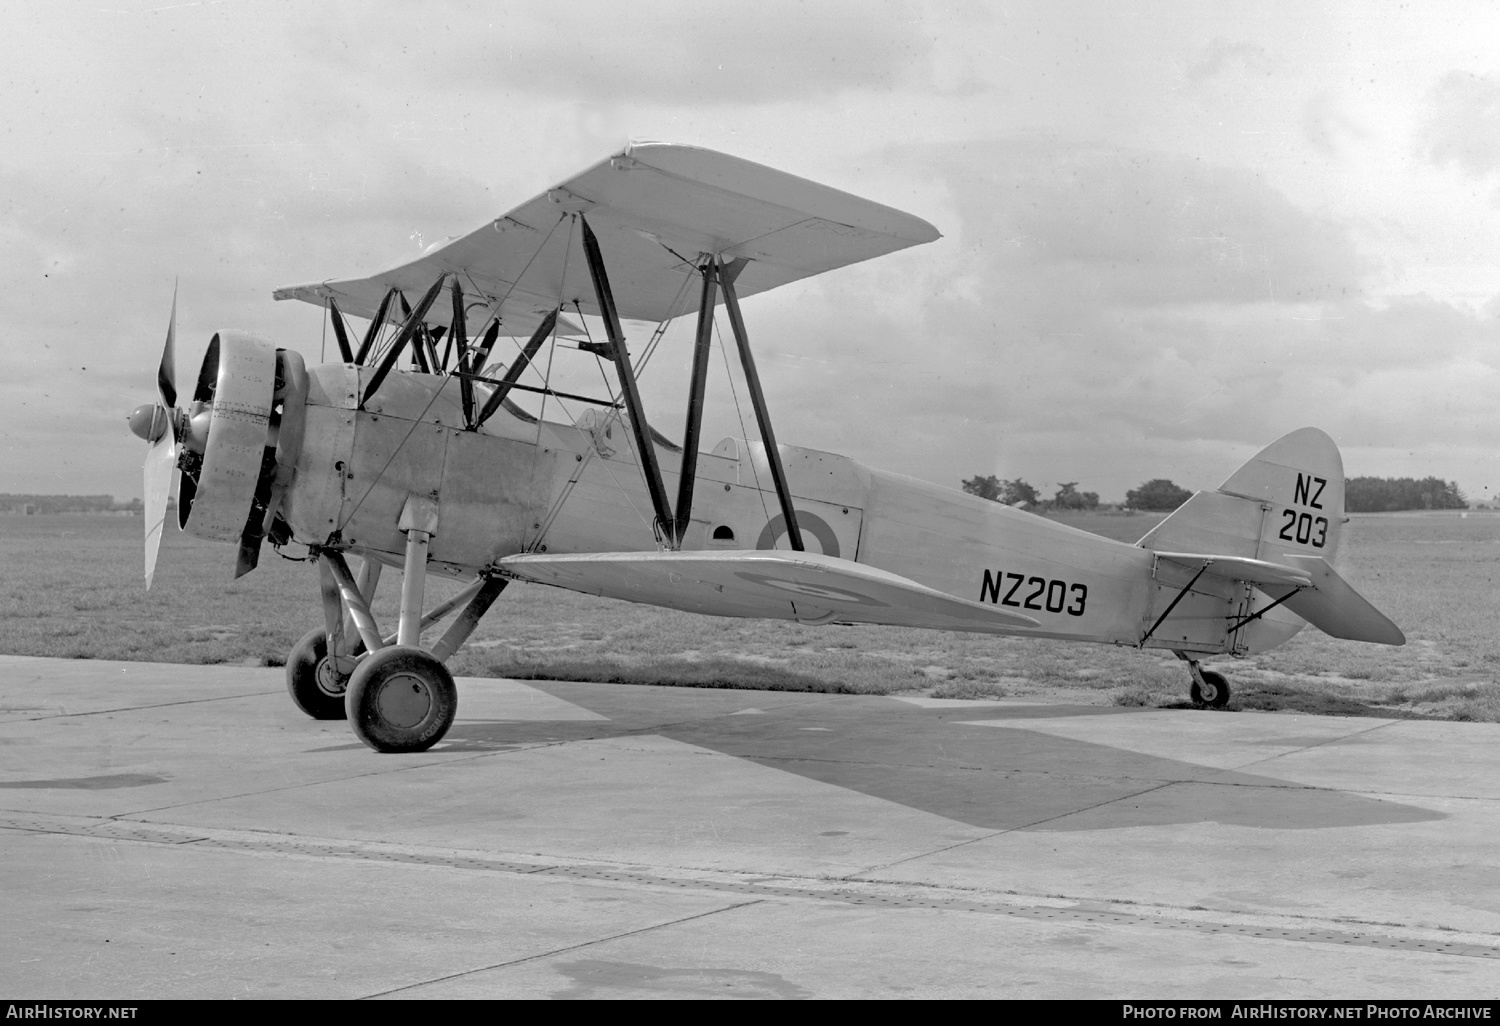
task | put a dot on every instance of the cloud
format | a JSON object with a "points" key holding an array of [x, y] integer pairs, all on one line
{"points": [[1326, 127], [1221, 56], [1142, 227], [652, 51], [1463, 123], [1106, 315], [1097, 312]]}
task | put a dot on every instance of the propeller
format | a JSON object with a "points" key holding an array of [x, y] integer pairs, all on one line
{"points": [[233, 452], [153, 422]]}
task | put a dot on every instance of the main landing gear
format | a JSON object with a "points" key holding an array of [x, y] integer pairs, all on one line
{"points": [[315, 681], [401, 699], [1209, 688], [397, 695]]}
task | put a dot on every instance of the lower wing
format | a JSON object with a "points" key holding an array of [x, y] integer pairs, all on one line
{"points": [[802, 586]]}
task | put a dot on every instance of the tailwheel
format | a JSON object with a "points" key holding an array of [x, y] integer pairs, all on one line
{"points": [[314, 681], [401, 699], [1210, 689]]}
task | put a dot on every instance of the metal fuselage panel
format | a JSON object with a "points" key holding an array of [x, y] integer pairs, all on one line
{"points": [[360, 466], [1078, 585], [517, 485]]}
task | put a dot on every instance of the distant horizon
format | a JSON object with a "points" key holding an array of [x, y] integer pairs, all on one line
{"points": [[9, 498]]}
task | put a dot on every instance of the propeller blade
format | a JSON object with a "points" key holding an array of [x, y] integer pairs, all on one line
{"points": [[373, 331], [248, 558], [345, 351], [161, 464], [166, 374]]}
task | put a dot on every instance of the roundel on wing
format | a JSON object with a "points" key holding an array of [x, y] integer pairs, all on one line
{"points": [[807, 589], [808, 523]]}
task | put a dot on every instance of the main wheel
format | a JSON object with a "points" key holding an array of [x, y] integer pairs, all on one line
{"points": [[1214, 692], [401, 699], [316, 685]]}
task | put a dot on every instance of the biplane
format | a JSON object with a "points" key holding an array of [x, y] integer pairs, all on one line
{"points": [[410, 451]]}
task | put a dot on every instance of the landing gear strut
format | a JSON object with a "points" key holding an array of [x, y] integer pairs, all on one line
{"points": [[397, 696], [319, 665], [1209, 688]]}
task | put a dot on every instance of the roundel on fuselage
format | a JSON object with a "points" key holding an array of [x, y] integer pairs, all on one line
{"points": [[808, 523]]}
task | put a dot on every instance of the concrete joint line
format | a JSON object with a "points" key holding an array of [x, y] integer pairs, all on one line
{"points": [[1325, 741], [1011, 830], [143, 708], [564, 950]]}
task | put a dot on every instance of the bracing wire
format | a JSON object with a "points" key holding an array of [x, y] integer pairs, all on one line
{"points": [[447, 376], [541, 416], [535, 253], [674, 311], [734, 393], [547, 384]]}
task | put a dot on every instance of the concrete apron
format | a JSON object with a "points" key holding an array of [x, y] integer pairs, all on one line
{"points": [[184, 831]]}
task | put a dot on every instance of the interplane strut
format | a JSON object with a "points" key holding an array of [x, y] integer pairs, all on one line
{"points": [[696, 384], [644, 445], [727, 275]]}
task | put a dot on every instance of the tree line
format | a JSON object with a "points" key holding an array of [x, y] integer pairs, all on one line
{"points": [[1361, 494], [65, 503], [1386, 494], [1158, 494]]}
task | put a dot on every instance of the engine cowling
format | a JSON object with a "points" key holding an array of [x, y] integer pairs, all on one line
{"points": [[241, 437]]}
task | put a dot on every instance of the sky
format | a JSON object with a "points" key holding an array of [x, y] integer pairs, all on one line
{"points": [[1172, 232]]}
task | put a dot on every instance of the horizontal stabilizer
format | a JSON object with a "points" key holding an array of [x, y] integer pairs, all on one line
{"points": [[1335, 608], [1325, 599], [804, 586], [1240, 568]]}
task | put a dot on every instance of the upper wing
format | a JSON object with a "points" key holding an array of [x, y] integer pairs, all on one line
{"points": [[804, 586], [655, 208]]}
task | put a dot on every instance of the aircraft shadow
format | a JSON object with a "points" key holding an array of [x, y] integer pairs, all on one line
{"points": [[990, 777]]}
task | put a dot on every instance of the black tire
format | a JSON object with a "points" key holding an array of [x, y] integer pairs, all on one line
{"points": [[316, 687], [401, 699], [1216, 695]]}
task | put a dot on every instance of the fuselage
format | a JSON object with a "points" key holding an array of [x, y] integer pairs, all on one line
{"points": [[519, 485]]}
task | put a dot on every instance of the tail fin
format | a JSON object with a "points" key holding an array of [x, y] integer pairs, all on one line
{"points": [[1285, 506], [1288, 499]]}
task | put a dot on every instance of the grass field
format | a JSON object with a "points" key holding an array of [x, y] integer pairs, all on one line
{"points": [[72, 587]]}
